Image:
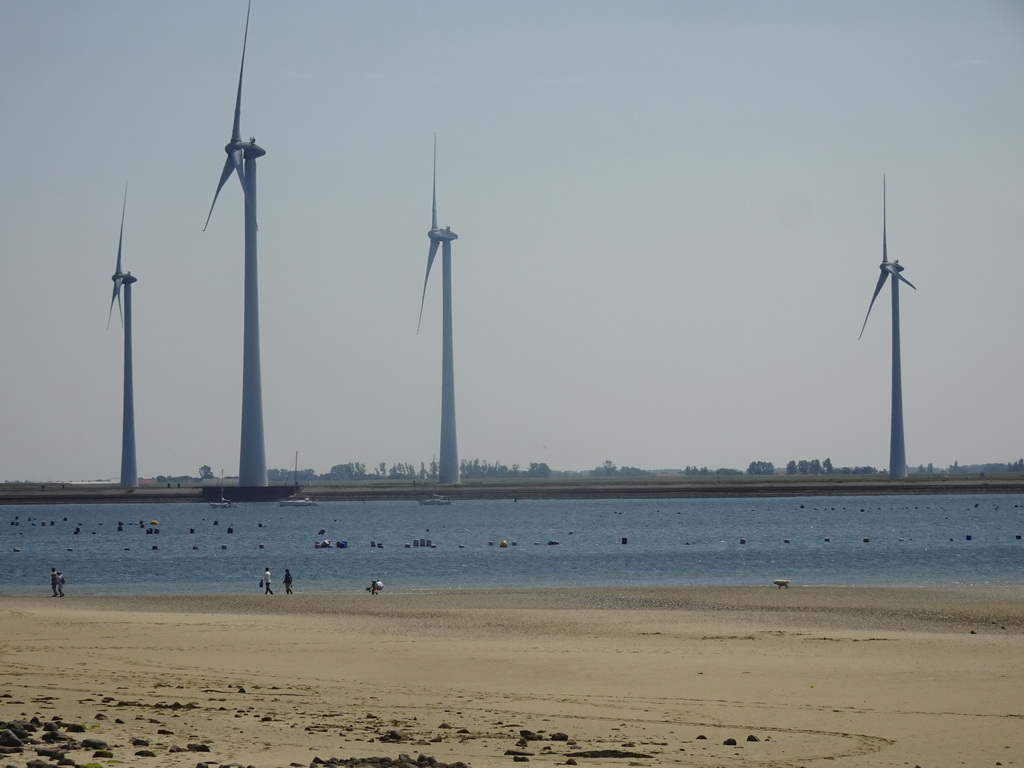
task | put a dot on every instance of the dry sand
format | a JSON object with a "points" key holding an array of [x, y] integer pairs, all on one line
{"points": [[837, 677]]}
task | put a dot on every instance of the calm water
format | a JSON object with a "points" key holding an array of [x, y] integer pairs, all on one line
{"points": [[921, 540]]}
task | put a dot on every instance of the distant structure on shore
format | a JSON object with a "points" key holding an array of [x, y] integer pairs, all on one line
{"points": [[124, 280], [448, 466], [252, 461], [897, 449]]}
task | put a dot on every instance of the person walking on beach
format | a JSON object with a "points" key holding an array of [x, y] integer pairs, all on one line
{"points": [[60, 584], [287, 581], [266, 582], [53, 581]]}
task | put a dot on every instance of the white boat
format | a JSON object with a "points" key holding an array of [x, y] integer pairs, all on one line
{"points": [[295, 500], [298, 501], [322, 544], [437, 500], [223, 503]]}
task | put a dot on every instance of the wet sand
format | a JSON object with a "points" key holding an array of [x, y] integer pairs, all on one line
{"points": [[818, 676]]}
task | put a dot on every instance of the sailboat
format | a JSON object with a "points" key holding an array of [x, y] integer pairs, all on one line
{"points": [[295, 500], [223, 503]]}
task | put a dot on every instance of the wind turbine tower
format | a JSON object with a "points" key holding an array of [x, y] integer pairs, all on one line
{"points": [[124, 280], [241, 160], [448, 467], [897, 449]]}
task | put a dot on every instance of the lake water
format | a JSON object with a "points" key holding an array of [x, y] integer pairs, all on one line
{"points": [[867, 540]]}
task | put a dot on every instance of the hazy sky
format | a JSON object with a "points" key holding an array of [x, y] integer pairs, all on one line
{"points": [[669, 219]]}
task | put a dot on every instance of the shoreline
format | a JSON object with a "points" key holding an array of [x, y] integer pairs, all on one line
{"points": [[660, 487], [849, 677]]}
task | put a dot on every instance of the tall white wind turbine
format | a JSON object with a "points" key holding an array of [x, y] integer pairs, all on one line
{"points": [[252, 462], [448, 467], [897, 449], [123, 283]]}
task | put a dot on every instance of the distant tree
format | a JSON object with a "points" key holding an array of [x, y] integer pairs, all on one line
{"points": [[632, 472], [827, 467], [402, 471], [791, 467], [538, 470], [727, 471], [382, 469], [347, 472], [761, 468], [803, 466], [814, 467], [205, 473]]}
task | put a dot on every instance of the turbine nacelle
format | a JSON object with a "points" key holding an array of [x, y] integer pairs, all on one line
{"points": [[248, 148], [442, 234]]}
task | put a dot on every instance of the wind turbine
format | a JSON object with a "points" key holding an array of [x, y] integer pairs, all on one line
{"points": [[897, 450], [252, 462], [448, 468], [129, 470]]}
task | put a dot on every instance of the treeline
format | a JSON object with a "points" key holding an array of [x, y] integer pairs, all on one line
{"points": [[809, 467], [975, 469], [476, 469]]}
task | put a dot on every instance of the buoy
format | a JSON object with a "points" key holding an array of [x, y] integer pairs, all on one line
{"points": [[742, 541], [625, 540], [503, 543], [154, 522]]}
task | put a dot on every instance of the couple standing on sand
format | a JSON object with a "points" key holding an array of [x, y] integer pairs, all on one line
{"points": [[265, 583], [57, 582]]}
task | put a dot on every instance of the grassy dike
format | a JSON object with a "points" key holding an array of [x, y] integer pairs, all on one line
{"points": [[648, 487]]}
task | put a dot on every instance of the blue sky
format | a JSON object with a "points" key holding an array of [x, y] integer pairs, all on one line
{"points": [[669, 219]]}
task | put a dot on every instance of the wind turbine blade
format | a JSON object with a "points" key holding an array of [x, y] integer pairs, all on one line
{"points": [[230, 165], [430, 262], [901, 277], [878, 289], [236, 133], [120, 237], [885, 249], [117, 270], [433, 209], [116, 296]]}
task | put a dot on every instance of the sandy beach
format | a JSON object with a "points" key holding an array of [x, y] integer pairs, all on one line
{"points": [[641, 677]]}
